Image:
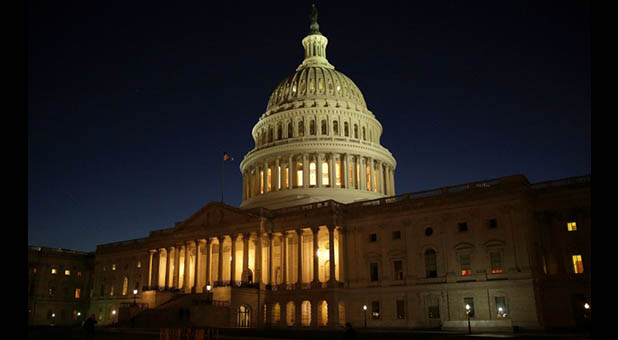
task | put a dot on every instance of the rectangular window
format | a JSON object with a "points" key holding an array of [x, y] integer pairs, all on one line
{"points": [[373, 271], [397, 235], [113, 267], [269, 180], [578, 264], [398, 270], [572, 226], [500, 307], [368, 177], [325, 174], [434, 308], [492, 224], [79, 274], [77, 293], [338, 173], [286, 181], [401, 313], [261, 182], [312, 174], [67, 272], [299, 174], [139, 264], [470, 302], [496, 262], [462, 226], [53, 271], [375, 309], [465, 265]]}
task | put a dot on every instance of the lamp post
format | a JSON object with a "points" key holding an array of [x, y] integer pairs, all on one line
{"points": [[365, 309], [134, 297], [468, 314]]}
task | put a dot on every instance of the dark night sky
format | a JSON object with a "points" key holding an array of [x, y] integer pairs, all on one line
{"points": [[132, 103]]}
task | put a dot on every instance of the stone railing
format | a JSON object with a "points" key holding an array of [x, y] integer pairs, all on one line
{"points": [[562, 182]]}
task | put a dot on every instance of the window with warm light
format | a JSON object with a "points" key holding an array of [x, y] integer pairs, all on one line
{"points": [[53, 271], [325, 174], [139, 264], [79, 274], [572, 226], [578, 264], [113, 266], [465, 265], [299, 174], [261, 181], [368, 178], [269, 178], [67, 272], [338, 173], [77, 293], [495, 259], [312, 174]]}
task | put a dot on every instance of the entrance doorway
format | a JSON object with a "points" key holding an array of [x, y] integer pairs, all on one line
{"points": [[244, 317]]}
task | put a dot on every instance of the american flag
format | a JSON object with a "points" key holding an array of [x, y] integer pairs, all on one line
{"points": [[226, 156]]}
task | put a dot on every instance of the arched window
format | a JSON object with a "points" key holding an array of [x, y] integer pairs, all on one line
{"points": [[279, 131], [312, 128], [341, 313], [323, 317], [290, 129], [305, 308], [270, 135], [431, 269], [313, 174], [301, 129], [244, 317], [125, 285], [355, 131], [336, 128], [324, 127], [290, 313], [346, 129], [276, 314], [364, 135]]}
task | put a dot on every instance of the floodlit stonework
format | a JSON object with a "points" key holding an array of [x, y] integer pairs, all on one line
{"points": [[321, 233]]}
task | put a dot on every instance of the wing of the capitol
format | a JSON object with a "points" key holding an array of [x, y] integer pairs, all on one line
{"points": [[321, 238]]}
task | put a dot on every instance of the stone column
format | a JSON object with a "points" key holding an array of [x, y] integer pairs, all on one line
{"points": [[207, 276], [258, 258], [372, 174], [290, 172], [185, 281], [331, 257], [284, 251], [299, 282], [277, 178], [155, 268], [332, 172], [270, 259], [318, 165], [177, 266], [220, 267], [196, 270], [265, 176], [245, 257], [316, 264], [305, 171], [150, 253], [392, 177], [233, 261], [168, 265]]}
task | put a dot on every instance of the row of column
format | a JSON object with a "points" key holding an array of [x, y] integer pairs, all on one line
{"points": [[295, 171], [172, 278]]}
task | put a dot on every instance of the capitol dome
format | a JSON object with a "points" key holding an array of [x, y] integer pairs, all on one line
{"points": [[317, 140]]}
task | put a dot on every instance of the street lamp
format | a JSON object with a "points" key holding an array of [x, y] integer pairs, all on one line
{"points": [[134, 297], [365, 309], [468, 313]]}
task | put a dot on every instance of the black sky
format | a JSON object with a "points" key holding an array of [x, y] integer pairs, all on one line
{"points": [[131, 104]]}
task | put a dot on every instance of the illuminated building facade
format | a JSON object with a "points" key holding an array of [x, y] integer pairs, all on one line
{"points": [[321, 238]]}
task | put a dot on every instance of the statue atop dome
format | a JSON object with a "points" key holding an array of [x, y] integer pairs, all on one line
{"points": [[314, 28]]}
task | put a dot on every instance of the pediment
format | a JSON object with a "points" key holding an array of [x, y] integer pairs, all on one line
{"points": [[217, 214]]}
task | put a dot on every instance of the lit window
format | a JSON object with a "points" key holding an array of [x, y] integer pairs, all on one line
{"points": [[139, 264], [261, 182], [338, 173], [79, 273], [578, 264], [465, 265], [496, 262], [77, 293], [299, 174], [375, 309], [312, 174], [113, 267], [325, 175], [571, 226], [111, 291], [368, 178], [53, 271], [269, 180], [67, 272], [500, 307]]}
